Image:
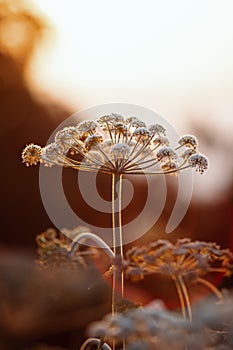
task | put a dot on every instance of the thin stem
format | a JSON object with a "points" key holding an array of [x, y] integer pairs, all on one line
{"points": [[211, 287], [118, 275], [90, 342], [113, 243], [186, 297], [142, 172], [82, 237], [120, 233], [181, 298]]}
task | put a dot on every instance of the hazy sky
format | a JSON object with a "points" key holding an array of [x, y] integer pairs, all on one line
{"points": [[175, 57]]}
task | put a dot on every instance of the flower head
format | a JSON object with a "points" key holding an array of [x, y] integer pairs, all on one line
{"points": [[157, 129], [31, 154], [185, 258], [120, 151], [170, 166], [53, 248], [166, 153], [93, 140], [52, 154], [199, 162], [161, 140], [67, 135], [117, 145], [189, 141], [141, 133], [87, 126]]}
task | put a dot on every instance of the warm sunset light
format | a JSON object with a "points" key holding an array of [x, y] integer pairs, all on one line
{"points": [[146, 53], [116, 174]]}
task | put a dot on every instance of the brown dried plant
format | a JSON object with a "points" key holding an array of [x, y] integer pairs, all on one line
{"points": [[116, 146], [185, 262]]}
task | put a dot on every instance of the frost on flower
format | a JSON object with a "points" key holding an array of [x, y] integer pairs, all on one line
{"points": [[166, 153], [199, 162], [93, 140], [87, 126], [157, 129], [67, 135], [120, 151], [114, 144], [31, 154], [188, 141]]}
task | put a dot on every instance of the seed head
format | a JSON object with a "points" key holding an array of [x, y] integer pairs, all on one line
{"points": [[51, 153], [120, 128], [199, 162], [188, 153], [135, 122], [31, 154], [188, 141], [157, 129], [141, 133], [87, 126], [120, 151], [93, 140], [119, 145], [161, 140], [116, 118], [166, 153], [190, 259], [170, 166]]}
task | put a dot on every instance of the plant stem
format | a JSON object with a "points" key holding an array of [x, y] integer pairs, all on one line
{"points": [[117, 238], [211, 287], [181, 297], [118, 275], [186, 297]]}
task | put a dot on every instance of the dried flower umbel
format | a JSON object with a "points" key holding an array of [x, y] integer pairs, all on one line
{"points": [[116, 146], [185, 262], [54, 249], [155, 328]]}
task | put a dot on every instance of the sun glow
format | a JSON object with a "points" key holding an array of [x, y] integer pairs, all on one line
{"points": [[140, 52]]}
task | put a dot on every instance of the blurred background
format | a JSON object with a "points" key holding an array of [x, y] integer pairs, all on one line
{"points": [[57, 58]]}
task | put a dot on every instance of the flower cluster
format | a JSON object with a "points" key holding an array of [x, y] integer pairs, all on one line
{"points": [[115, 144], [154, 327], [185, 262], [54, 249], [186, 258]]}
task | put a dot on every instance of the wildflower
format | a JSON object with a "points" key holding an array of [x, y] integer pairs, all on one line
{"points": [[154, 327], [161, 140], [157, 129], [143, 148], [135, 122], [120, 151], [169, 166], [184, 262], [131, 120], [93, 140], [67, 135], [87, 126], [53, 153], [116, 118], [174, 259], [166, 153], [188, 153], [188, 141], [199, 162], [31, 154], [141, 133], [54, 249]]}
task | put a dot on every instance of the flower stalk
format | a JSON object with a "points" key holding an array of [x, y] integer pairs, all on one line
{"points": [[118, 274]]}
